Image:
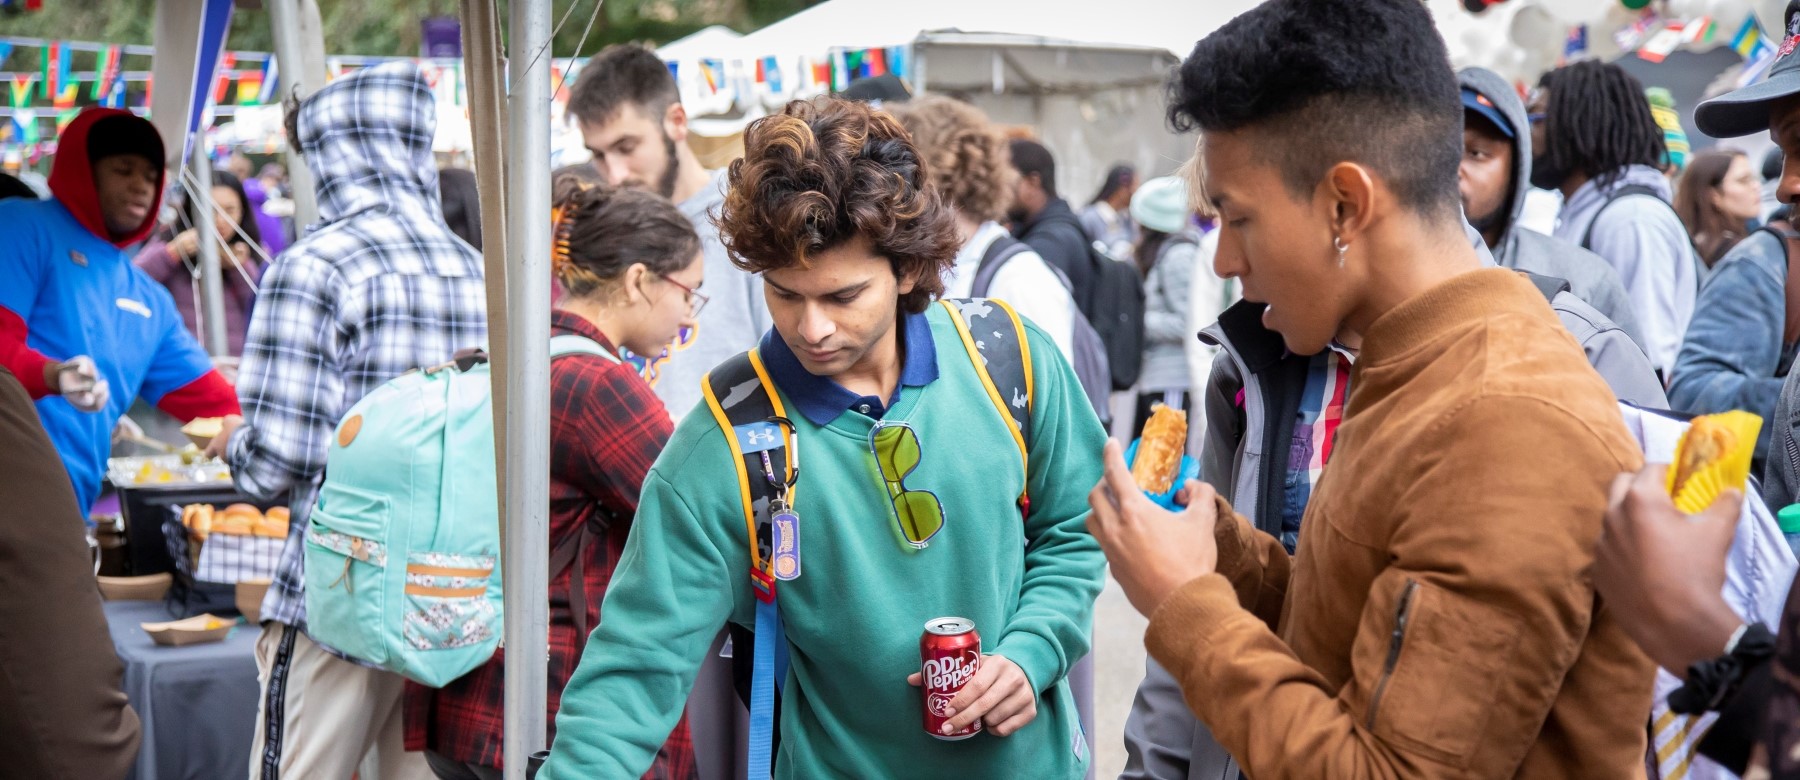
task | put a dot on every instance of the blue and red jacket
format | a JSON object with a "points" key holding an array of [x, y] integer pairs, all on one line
{"points": [[67, 288]]}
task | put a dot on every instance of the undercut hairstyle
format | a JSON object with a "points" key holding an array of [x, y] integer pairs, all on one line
{"points": [[822, 173], [620, 75], [968, 158], [609, 229], [1597, 121], [1329, 81], [1029, 157]]}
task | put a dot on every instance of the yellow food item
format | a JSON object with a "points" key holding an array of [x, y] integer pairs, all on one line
{"points": [[1159, 450], [204, 427], [1713, 456], [199, 519]]}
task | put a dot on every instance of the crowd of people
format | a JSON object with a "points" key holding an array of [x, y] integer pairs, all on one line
{"points": [[1421, 541]]}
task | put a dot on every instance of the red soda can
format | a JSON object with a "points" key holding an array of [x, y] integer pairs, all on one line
{"points": [[949, 656]]}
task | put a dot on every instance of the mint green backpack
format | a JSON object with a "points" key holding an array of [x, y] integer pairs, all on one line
{"points": [[403, 545]]}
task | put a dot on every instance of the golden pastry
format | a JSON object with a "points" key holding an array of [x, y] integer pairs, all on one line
{"points": [[1159, 450]]}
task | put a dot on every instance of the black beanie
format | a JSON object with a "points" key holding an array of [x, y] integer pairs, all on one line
{"points": [[121, 134]]}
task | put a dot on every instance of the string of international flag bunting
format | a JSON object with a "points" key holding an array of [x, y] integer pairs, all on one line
{"points": [[73, 74]]}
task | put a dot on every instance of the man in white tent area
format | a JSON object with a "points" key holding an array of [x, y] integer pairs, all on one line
{"points": [[629, 111]]}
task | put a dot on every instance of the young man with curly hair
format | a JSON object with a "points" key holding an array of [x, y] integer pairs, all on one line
{"points": [[833, 206]]}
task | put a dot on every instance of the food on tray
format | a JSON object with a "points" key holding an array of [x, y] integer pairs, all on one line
{"points": [[1159, 450]]}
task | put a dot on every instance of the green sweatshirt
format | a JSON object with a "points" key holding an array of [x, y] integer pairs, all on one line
{"points": [[854, 616]]}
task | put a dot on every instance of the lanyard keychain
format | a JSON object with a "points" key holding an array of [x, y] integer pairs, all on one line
{"points": [[784, 521]]}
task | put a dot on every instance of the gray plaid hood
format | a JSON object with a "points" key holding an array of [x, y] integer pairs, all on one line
{"points": [[367, 139]]}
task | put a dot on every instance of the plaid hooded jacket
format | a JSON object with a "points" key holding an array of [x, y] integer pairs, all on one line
{"points": [[378, 287]]}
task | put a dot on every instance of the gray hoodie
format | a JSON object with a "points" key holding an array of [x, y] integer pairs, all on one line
{"points": [[1589, 276], [1646, 243]]}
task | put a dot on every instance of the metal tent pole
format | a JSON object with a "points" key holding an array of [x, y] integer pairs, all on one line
{"points": [[300, 57], [527, 543], [212, 283]]}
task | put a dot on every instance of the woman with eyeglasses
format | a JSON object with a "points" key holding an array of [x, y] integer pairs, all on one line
{"points": [[630, 269]]}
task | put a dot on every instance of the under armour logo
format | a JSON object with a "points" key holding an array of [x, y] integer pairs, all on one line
{"points": [[759, 438]]}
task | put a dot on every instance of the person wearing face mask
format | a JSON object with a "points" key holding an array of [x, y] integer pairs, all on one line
{"points": [[84, 330], [630, 267]]}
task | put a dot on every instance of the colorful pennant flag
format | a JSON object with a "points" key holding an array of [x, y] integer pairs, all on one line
{"points": [[109, 73], [840, 71], [48, 70], [1634, 34], [249, 87], [23, 89], [714, 71], [271, 72], [896, 61], [63, 118], [768, 71], [821, 74], [227, 61], [1661, 45], [875, 62], [5, 51], [1698, 31], [1748, 38], [25, 126], [1576, 44], [65, 99]]}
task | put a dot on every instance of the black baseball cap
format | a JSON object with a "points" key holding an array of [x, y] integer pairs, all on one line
{"points": [[1745, 111]]}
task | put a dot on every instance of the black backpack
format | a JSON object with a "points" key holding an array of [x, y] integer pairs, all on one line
{"points": [[1117, 314], [1090, 359], [1115, 307]]}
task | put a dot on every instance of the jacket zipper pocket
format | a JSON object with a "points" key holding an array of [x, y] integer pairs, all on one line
{"points": [[1401, 614]]}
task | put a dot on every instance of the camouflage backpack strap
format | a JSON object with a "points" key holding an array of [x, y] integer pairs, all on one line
{"points": [[744, 402], [994, 337]]}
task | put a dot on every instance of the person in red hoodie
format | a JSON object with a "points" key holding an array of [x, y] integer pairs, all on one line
{"points": [[84, 330]]}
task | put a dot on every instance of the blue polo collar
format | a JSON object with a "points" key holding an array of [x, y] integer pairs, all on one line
{"points": [[821, 400]]}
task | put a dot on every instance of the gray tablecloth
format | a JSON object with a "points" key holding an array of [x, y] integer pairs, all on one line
{"points": [[197, 703]]}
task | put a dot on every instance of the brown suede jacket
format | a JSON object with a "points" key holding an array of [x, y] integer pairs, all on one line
{"points": [[1439, 620]]}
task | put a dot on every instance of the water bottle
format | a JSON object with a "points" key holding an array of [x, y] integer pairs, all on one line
{"points": [[1789, 520]]}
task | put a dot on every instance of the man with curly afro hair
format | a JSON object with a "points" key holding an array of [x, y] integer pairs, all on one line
{"points": [[1439, 617], [835, 208]]}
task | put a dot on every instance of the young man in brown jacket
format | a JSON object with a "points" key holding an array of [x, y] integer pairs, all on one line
{"points": [[1439, 620]]}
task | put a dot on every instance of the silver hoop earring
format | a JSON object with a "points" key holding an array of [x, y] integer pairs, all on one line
{"points": [[1337, 242]]}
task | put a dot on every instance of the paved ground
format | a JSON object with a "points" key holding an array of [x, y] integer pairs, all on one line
{"points": [[1118, 667]]}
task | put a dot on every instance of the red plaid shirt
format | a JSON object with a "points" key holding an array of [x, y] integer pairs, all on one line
{"points": [[606, 428]]}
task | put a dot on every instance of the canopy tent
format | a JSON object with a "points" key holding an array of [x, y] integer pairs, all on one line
{"points": [[1089, 85], [1521, 39]]}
